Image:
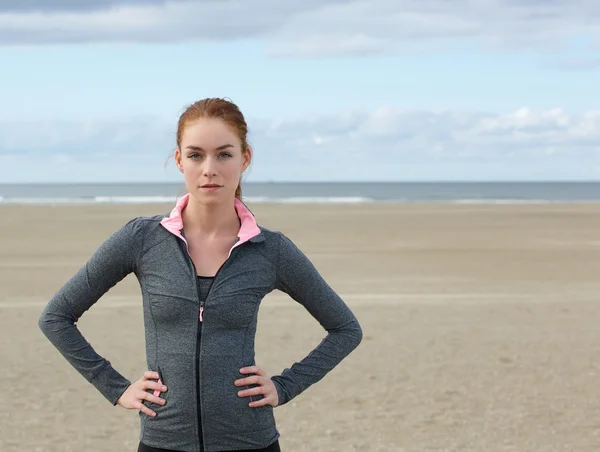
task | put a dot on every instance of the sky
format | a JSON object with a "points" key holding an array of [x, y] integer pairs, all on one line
{"points": [[332, 90]]}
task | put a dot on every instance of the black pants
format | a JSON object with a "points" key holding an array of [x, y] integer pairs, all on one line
{"points": [[272, 448]]}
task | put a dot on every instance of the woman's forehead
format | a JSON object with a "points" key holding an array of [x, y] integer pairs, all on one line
{"points": [[209, 133]]}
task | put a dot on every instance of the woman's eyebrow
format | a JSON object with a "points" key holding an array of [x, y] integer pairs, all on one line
{"points": [[191, 147]]}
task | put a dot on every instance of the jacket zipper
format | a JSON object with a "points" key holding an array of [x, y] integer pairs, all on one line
{"points": [[199, 346], [200, 433], [199, 339]]}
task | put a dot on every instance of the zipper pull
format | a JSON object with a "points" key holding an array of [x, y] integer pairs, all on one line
{"points": [[201, 310]]}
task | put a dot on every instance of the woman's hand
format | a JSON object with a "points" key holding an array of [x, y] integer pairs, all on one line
{"points": [[134, 395], [266, 388]]}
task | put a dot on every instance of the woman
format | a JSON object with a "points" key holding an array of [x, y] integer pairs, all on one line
{"points": [[203, 271]]}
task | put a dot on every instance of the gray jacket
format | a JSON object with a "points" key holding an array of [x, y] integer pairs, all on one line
{"points": [[200, 376]]}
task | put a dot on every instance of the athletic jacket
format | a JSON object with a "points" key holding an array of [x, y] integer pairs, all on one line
{"points": [[200, 375]]}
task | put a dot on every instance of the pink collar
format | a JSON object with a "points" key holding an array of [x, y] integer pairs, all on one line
{"points": [[248, 229]]}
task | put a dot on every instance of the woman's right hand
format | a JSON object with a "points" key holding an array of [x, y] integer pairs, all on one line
{"points": [[137, 392]]}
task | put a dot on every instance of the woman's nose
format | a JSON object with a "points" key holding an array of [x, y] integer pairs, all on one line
{"points": [[209, 166]]}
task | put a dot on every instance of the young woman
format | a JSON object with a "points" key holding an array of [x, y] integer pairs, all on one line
{"points": [[203, 271]]}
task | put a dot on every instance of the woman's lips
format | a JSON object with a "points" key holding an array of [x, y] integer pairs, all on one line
{"points": [[210, 187]]}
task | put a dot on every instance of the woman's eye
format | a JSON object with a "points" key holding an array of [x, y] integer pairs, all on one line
{"points": [[196, 156]]}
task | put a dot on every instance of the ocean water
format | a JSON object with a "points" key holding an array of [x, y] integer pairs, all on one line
{"points": [[284, 192]]}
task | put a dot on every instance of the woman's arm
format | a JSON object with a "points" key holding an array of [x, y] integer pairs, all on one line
{"points": [[299, 278], [110, 263]]}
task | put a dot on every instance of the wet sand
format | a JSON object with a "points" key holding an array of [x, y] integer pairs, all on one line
{"points": [[481, 328]]}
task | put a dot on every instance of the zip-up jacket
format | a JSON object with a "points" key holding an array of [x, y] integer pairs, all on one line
{"points": [[203, 411]]}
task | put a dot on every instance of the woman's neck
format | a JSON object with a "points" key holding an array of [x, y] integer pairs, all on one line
{"points": [[211, 220]]}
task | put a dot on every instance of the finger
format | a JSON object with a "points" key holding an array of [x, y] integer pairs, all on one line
{"points": [[252, 391], [149, 384], [153, 398], [262, 402], [248, 380], [252, 370], [144, 409], [151, 375]]}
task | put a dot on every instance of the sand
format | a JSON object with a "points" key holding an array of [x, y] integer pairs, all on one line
{"points": [[481, 328]]}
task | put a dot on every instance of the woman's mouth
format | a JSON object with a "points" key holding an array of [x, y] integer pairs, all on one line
{"points": [[210, 187]]}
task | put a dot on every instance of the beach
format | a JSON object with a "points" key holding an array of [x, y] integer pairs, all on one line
{"points": [[480, 322]]}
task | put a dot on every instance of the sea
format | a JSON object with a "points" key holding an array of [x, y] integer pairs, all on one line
{"points": [[312, 192]]}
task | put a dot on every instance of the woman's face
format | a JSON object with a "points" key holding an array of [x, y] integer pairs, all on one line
{"points": [[211, 160]]}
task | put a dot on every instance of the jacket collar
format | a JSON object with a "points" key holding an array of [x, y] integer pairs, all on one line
{"points": [[249, 230]]}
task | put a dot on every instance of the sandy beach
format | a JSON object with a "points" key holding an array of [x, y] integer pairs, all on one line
{"points": [[481, 328]]}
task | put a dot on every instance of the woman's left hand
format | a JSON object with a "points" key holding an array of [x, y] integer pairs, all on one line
{"points": [[266, 387]]}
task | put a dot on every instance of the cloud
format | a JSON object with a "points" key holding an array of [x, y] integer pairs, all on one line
{"points": [[83, 138], [307, 28], [410, 132], [354, 144], [68, 5], [580, 64]]}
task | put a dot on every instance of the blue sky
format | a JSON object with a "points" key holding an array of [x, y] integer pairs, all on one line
{"points": [[332, 89]]}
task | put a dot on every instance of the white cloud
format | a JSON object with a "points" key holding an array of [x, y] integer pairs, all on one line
{"points": [[81, 136], [309, 28], [67, 5], [579, 64], [353, 144]]}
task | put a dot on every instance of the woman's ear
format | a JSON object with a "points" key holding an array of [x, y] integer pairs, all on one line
{"points": [[246, 158], [177, 158]]}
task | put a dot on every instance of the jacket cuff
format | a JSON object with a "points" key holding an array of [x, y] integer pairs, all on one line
{"points": [[110, 383], [281, 399]]}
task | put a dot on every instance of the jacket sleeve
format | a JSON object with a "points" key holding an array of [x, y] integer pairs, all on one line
{"points": [[298, 277], [114, 259]]}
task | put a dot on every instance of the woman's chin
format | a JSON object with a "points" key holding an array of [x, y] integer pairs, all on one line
{"points": [[213, 196]]}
